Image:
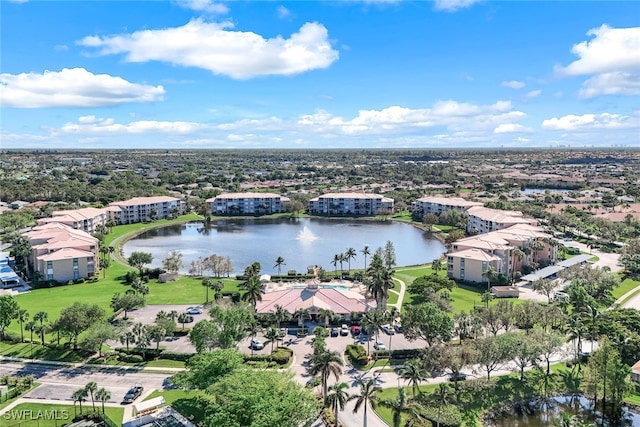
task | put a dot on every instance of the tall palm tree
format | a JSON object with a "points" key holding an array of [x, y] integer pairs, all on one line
{"points": [[516, 254], [414, 373], [23, 316], [399, 406], [31, 327], [436, 266], [301, 314], [336, 399], [367, 396], [91, 388], [253, 289], [349, 255], [366, 252], [206, 282], [489, 274], [326, 314], [281, 315], [335, 261], [103, 395], [379, 280], [271, 335], [79, 396], [127, 338], [326, 363], [279, 263]]}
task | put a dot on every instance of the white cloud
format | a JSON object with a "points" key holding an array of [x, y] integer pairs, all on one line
{"points": [[205, 6], [533, 94], [72, 87], [611, 49], [453, 5], [93, 125], [283, 12], [614, 83], [513, 84], [511, 128], [585, 122], [215, 47]]}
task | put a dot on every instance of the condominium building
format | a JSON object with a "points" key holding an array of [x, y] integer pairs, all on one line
{"points": [[485, 220], [247, 204], [62, 253], [85, 219], [141, 209], [471, 264], [437, 204], [350, 204]]}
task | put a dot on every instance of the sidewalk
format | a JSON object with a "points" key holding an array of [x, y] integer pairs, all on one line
{"points": [[85, 365]]}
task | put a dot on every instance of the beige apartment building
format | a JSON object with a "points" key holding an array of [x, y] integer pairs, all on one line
{"points": [[485, 220], [470, 264], [85, 219], [62, 253], [142, 209], [437, 204], [247, 204], [350, 204]]}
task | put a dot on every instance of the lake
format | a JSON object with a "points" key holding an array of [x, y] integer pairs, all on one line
{"points": [[300, 241]]}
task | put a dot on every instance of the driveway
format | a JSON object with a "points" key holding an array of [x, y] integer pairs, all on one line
{"points": [[606, 259]]}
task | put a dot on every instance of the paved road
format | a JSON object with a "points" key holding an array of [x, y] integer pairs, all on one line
{"points": [[606, 259]]}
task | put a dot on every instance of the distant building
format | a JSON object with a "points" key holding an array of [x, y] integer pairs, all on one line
{"points": [[470, 264], [437, 204], [350, 204], [635, 373], [485, 220], [247, 204], [61, 253], [142, 209]]}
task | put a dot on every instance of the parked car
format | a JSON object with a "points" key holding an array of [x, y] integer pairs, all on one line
{"points": [[256, 344], [344, 330], [194, 310], [388, 329], [133, 393], [335, 332], [560, 295], [282, 332], [457, 377], [398, 327], [379, 345], [355, 330]]}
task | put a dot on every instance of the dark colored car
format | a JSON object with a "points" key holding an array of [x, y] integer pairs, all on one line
{"points": [[335, 332], [133, 393], [459, 377]]}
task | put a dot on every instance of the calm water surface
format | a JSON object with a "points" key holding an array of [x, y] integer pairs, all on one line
{"points": [[301, 242]]}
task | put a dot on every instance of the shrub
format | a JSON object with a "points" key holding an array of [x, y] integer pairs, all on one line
{"points": [[235, 297], [400, 354], [180, 357], [78, 281], [282, 355], [181, 332], [357, 354], [130, 358]]}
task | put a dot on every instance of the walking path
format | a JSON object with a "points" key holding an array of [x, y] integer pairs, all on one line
{"points": [[400, 293]]}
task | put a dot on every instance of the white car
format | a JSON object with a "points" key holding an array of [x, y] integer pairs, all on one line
{"points": [[388, 329], [379, 345], [256, 344], [194, 310]]}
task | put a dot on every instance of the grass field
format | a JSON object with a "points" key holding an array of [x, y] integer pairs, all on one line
{"points": [[625, 286], [55, 415], [37, 351], [185, 402]]}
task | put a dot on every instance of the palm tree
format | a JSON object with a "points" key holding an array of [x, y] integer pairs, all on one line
{"points": [[336, 399], [399, 406], [279, 263], [217, 289], [366, 397], [379, 280], [436, 265], [30, 326], [301, 314], [335, 261], [79, 396], [414, 373], [516, 254], [23, 316], [489, 274], [324, 364], [127, 338], [281, 315], [366, 252], [254, 291], [349, 255], [271, 335], [206, 282], [91, 388], [327, 315], [104, 264], [103, 395]]}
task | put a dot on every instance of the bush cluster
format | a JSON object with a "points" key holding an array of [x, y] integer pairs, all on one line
{"points": [[357, 354], [400, 354]]}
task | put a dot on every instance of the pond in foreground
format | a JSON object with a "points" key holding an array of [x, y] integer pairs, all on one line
{"points": [[548, 413], [302, 242]]}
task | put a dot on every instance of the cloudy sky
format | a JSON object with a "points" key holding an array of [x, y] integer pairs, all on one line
{"points": [[319, 74]]}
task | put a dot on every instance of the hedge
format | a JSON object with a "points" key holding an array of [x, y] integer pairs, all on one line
{"points": [[151, 354], [400, 354], [357, 354], [280, 356]]}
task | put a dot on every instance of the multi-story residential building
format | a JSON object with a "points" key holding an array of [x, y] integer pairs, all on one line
{"points": [[437, 204], [350, 204], [485, 220], [470, 264], [61, 253], [515, 247], [141, 209], [247, 204], [85, 219]]}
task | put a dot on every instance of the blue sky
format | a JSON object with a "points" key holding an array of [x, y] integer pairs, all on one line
{"points": [[319, 74]]}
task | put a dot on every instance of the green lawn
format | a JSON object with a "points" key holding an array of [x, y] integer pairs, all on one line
{"points": [[7, 402], [633, 399], [185, 402], [37, 351], [625, 286], [57, 414]]}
